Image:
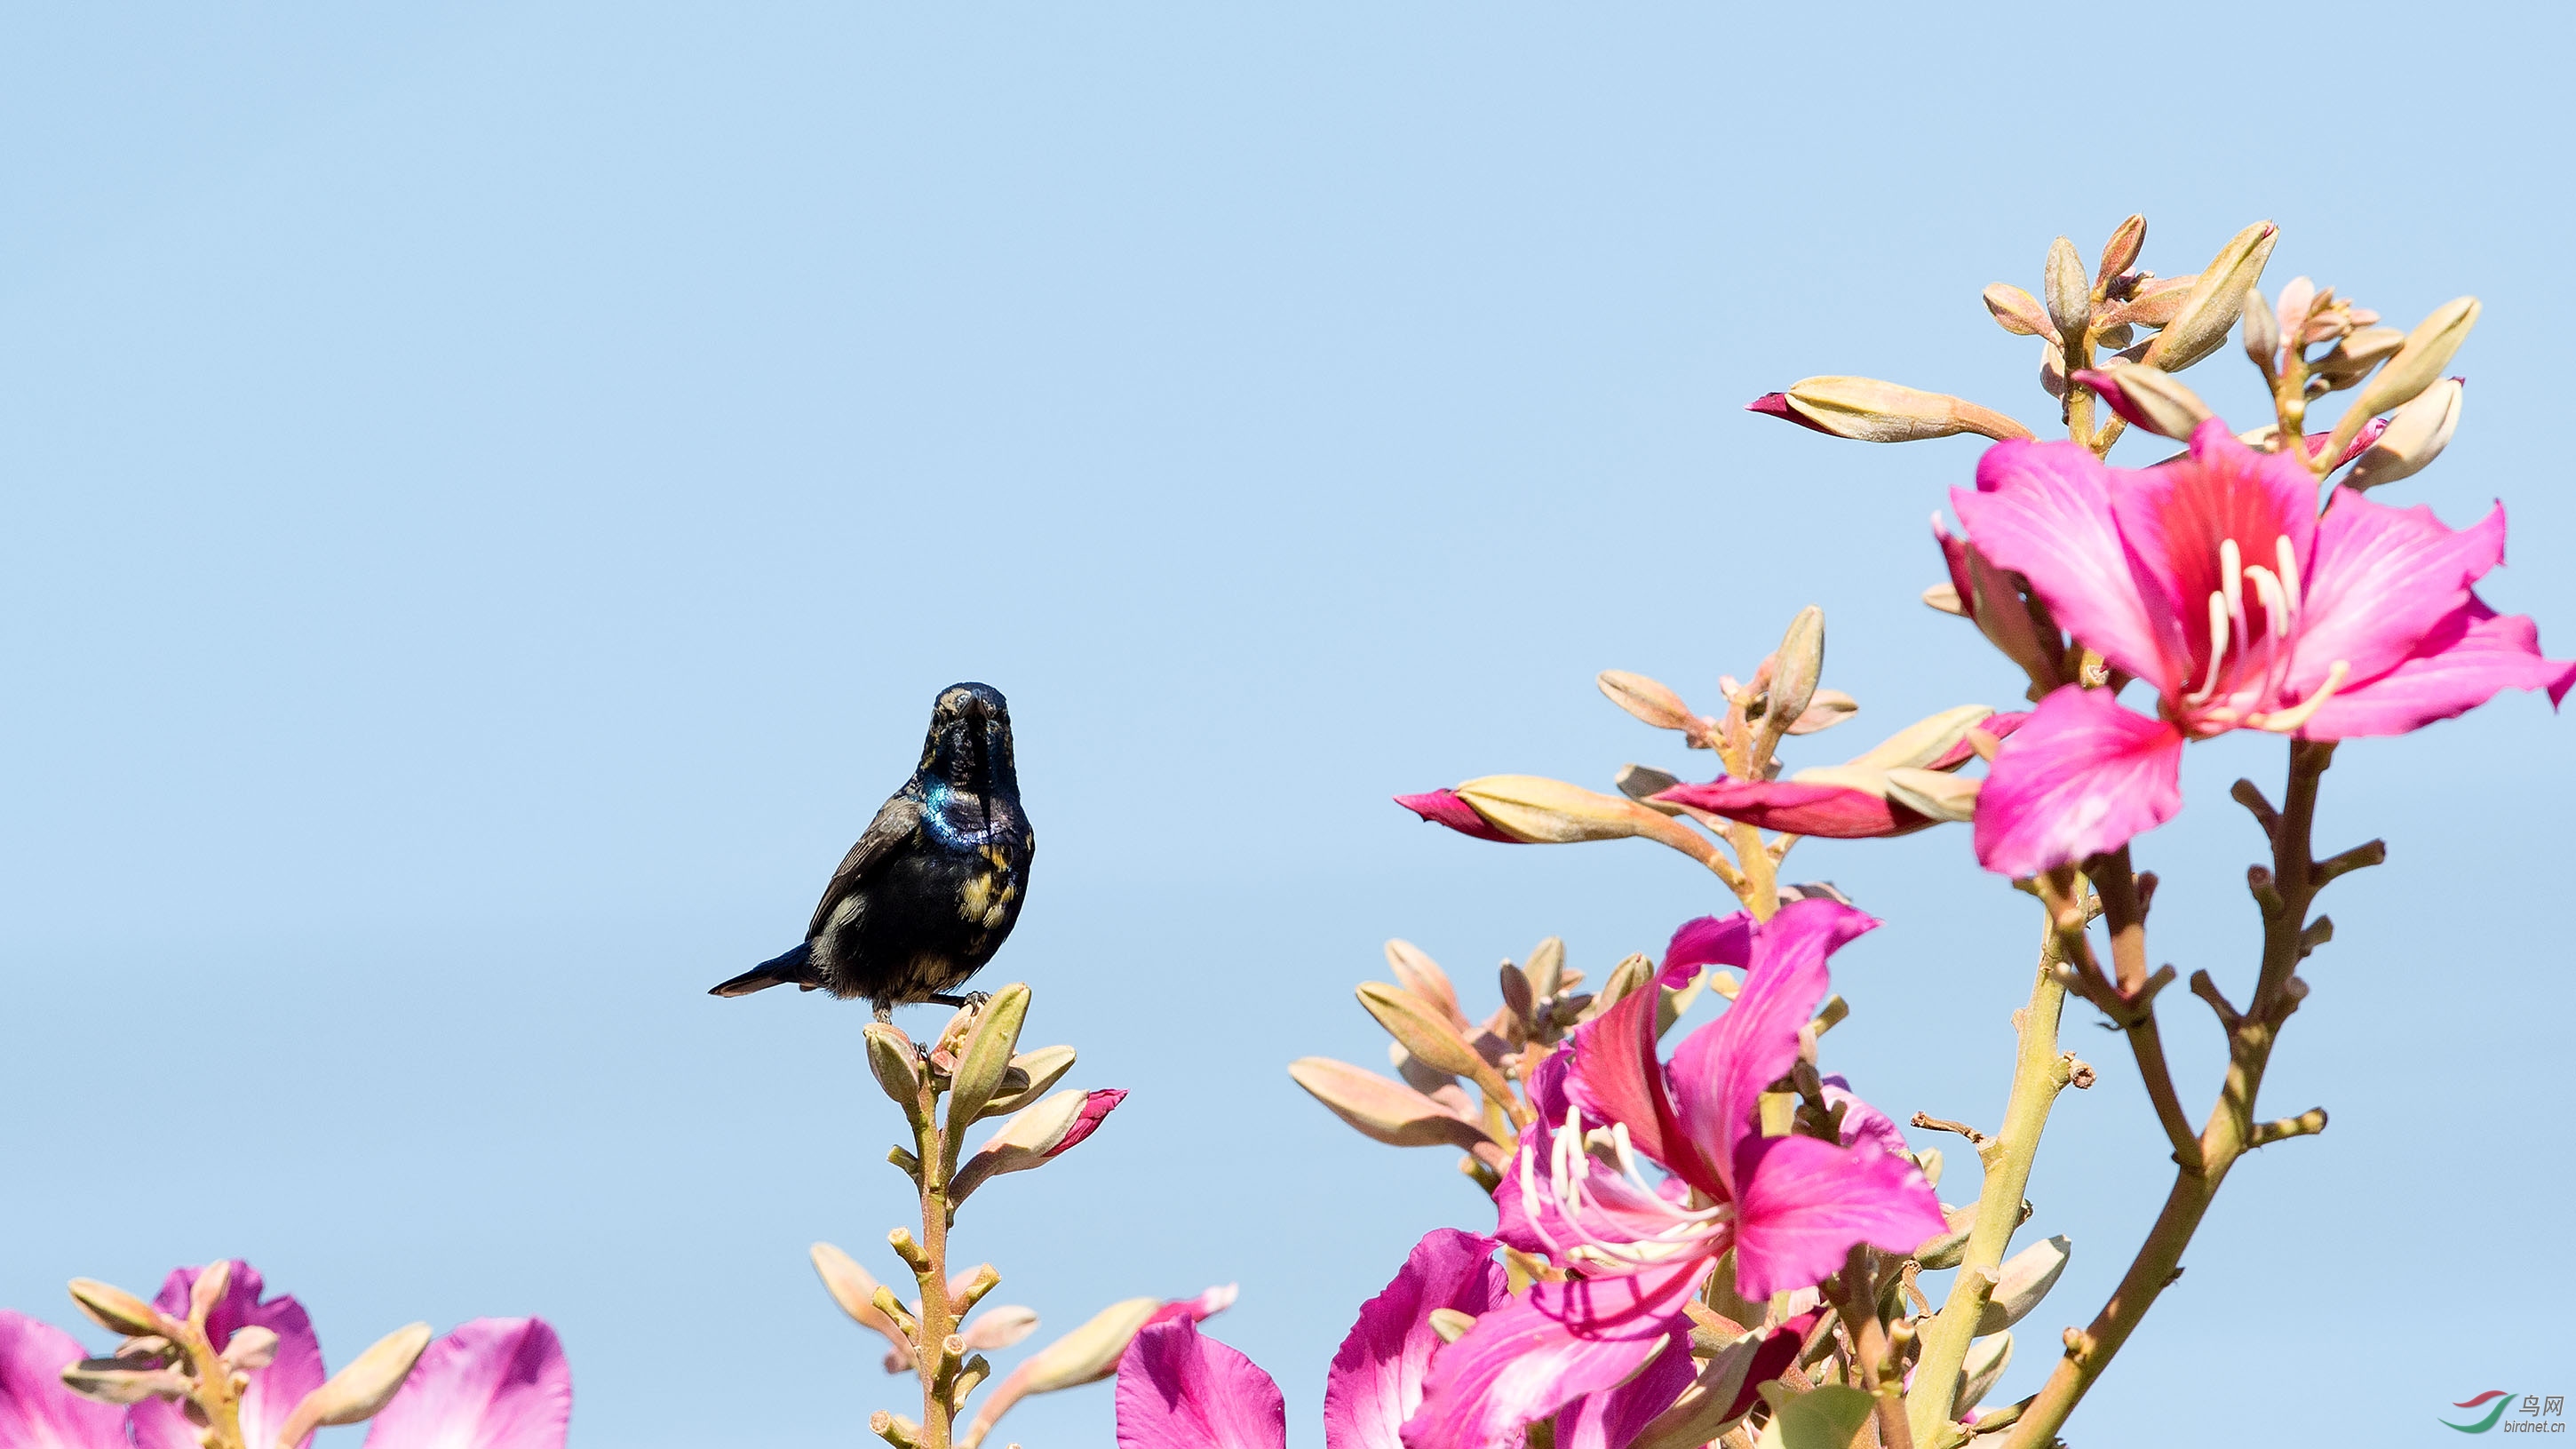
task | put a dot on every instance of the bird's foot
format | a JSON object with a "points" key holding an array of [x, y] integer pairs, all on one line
{"points": [[972, 1000], [885, 1013]]}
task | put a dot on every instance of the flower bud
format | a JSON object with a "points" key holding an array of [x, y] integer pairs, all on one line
{"points": [[1933, 794], [2018, 312], [212, 1282], [892, 1058], [1871, 411], [1919, 744], [2414, 438], [1089, 1353], [986, 1058], [1420, 1027], [1825, 709], [2352, 359], [2262, 333], [2418, 364], [2021, 1282], [1542, 811], [116, 1310], [1793, 679], [2298, 300], [2070, 299], [2153, 304], [1985, 1364], [1031, 1074], [1423, 977], [852, 1287], [2209, 311], [121, 1381], [251, 1348], [2121, 252], [1642, 782], [357, 1392], [1000, 1327], [2149, 398], [1647, 699], [1381, 1110], [1035, 1135]]}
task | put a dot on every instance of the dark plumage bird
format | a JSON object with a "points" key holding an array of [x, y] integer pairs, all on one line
{"points": [[933, 888]]}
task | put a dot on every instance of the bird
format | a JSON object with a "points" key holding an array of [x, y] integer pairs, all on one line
{"points": [[934, 886]]}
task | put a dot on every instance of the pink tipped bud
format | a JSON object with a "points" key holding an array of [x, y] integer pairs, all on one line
{"points": [[1096, 1106], [1445, 807], [1777, 405]]}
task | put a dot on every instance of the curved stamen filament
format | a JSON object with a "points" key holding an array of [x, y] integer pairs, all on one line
{"points": [[2288, 559], [2282, 722], [2217, 647], [2231, 569]]}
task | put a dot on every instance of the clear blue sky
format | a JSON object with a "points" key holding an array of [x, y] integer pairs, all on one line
{"points": [[491, 492]]}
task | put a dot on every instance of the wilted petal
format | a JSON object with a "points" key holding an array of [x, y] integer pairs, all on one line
{"points": [[1611, 1418], [1544, 1350], [274, 1391], [1802, 1204], [1800, 807], [2383, 580], [36, 1411], [1444, 807], [1180, 1390], [495, 1383], [2043, 510], [1719, 1071], [2460, 665], [1375, 1383], [2082, 777]]}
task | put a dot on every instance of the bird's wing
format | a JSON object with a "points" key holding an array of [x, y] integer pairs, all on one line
{"points": [[895, 825]]}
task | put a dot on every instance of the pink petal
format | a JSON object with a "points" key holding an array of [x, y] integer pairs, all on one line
{"points": [[2000, 726], [2383, 579], [2082, 777], [2043, 510], [1610, 1419], [1616, 1078], [1772, 1359], [2460, 665], [1707, 941], [1803, 1204], [1863, 1124], [1445, 807], [1180, 1390], [1719, 1071], [2174, 516], [1544, 1350], [1375, 1383], [1096, 1106], [495, 1383], [1776, 404], [274, 1391], [36, 1411], [1833, 812]]}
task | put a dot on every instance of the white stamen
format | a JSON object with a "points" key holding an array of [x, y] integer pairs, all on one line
{"points": [[2231, 568], [2217, 645], [2276, 604], [2281, 722], [2288, 559]]}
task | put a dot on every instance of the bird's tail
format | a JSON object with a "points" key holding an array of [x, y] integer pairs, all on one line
{"points": [[790, 969]]}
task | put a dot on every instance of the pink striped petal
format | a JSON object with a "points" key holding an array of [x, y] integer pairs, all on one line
{"points": [[274, 1391], [36, 1411], [1447, 807], [1719, 1071], [1831, 812], [2043, 510], [2460, 665], [2383, 580], [2082, 777], [2174, 516], [1546, 1349], [1707, 941], [1375, 1383], [1178, 1389], [1616, 1078], [1096, 1106], [1803, 1204], [495, 1383]]}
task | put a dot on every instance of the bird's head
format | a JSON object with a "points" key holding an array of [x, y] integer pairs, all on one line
{"points": [[970, 739]]}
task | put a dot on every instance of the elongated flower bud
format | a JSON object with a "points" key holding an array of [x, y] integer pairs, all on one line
{"points": [[2208, 313], [2419, 363], [2354, 357], [2121, 252], [2149, 398], [120, 1381], [1423, 977], [2415, 437], [1793, 679], [357, 1392], [1031, 1074], [1421, 1028], [2024, 1279], [1870, 411], [2262, 334], [116, 1310], [987, 1057], [2019, 313], [892, 1058], [1035, 1135], [1649, 700], [1983, 1366], [1382, 1110], [2070, 299]]}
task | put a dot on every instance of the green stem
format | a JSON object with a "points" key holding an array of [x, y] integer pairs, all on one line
{"points": [[2038, 1074], [938, 1315]]}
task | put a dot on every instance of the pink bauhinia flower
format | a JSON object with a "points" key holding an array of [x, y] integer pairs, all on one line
{"points": [[492, 1384], [1791, 1208], [2213, 579]]}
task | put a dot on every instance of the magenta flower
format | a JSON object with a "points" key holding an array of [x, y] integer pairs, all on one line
{"points": [[492, 1384], [1791, 1208], [2213, 579], [1375, 1383]]}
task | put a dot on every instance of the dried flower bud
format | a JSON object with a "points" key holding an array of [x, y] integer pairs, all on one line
{"points": [[2149, 398], [894, 1061], [2021, 1282], [116, 1310], [2414, 437], [2070, 297], [357, 1392], [2262, 334], [987, 1057], [1381, 1110], [2418, 364], [1647, 699], [2208, 313], [2121, 252], [2018, 312], [1871, 411]]}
